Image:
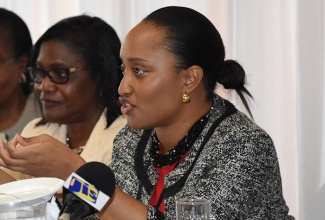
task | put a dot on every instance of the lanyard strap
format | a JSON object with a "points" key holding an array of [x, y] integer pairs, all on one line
{"points": [[158, 195]]}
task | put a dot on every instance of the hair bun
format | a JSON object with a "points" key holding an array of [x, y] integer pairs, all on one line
{"points": [[232, 75]]}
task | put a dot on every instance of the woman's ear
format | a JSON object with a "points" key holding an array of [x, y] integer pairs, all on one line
{"points": [[23, 61], [192, 78]]}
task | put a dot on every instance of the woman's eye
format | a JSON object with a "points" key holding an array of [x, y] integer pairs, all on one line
{"points": [[59, 73], [123, 70], [139, 71]]}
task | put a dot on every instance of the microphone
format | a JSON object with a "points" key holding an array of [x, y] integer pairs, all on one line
{"points": [[86, 191]]}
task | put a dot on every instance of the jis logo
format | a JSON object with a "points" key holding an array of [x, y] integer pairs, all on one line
{"points": [[83, 189]]}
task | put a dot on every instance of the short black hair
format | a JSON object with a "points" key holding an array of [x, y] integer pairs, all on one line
{"points": [[99, 45]]}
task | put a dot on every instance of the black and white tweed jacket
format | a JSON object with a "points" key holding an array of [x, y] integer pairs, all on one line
{"points": [[237, 170]]}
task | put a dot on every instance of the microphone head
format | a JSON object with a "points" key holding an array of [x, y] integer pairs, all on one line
{"points": [[87, 190], [99, 175]]}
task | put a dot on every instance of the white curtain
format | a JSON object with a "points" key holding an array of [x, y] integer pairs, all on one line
{"points": [[281, 46]]}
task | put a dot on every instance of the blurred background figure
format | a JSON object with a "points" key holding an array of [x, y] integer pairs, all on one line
{"points": [[75, 66], [17, 101]]}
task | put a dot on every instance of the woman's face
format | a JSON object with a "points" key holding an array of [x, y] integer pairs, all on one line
{"points": [[73, 101], [151, 89], [10, 72]]}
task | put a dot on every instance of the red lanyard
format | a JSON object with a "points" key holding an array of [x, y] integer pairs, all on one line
{"points": [[160, 183]]}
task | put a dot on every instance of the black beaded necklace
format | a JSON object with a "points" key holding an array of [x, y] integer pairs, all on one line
{"points": [[175, 154]]}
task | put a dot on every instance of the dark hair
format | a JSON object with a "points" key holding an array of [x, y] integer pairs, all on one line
{"points": [[195, 41], [99, 45], [16, 34]]}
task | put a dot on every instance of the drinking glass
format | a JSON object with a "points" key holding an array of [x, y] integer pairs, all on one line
{"points": [[193, 209]]}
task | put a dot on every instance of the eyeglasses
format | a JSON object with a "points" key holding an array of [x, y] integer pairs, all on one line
{"points": [[58, 76], [3, 63]]}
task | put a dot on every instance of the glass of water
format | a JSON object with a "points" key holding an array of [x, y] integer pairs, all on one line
{"points": [[193, 209]]}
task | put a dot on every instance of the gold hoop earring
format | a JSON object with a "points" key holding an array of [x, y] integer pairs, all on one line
{"points": [[23, 78], [186, 98]]}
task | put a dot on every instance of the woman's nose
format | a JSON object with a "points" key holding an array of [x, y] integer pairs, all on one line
{"points": [[46, 85], [125, 89]]}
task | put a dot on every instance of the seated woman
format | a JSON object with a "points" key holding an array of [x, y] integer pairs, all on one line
{"points": [[182, 140], [193, 143], [75, 66], [17, 102]]}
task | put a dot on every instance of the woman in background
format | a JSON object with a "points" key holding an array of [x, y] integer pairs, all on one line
{"points": [[75, 66], [17, 102]]}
